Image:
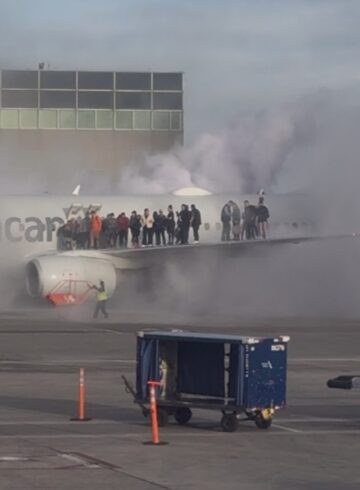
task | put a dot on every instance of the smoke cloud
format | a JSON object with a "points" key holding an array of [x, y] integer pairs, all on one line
{"points": [[248, 155], [307, 146]]}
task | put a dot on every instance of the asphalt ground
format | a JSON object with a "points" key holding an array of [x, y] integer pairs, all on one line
{"points": [[313, 444]]}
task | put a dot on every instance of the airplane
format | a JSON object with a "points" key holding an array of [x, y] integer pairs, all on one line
{"points": [[28, 226]]}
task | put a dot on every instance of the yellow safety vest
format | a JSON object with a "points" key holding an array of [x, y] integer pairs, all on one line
{"points": [[102, 296]]}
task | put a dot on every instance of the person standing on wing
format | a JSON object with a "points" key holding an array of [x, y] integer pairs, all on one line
{"points": [[195, 222], [101, 300]]}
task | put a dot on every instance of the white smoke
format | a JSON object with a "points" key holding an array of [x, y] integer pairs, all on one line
{"points": [[247, 155]]}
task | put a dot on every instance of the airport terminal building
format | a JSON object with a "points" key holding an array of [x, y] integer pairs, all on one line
{"points": [[98, 121]]}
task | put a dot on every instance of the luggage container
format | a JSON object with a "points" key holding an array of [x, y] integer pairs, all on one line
{"points": [[233, 374]]}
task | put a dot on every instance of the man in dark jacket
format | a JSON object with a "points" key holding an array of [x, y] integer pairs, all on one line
{"points": [[262, 213], [135, 228], [160, 226], [195, 222], [170, 225], [123, 229], [184, 224], [249, 217], [226, 220]]}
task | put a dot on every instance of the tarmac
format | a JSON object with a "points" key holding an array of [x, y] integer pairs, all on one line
{"points": [[313, 444]]}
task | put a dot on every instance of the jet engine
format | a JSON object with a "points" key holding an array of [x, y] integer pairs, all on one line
{"points": [[53, 273]]}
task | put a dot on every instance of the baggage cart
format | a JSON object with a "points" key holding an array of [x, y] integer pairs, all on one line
{"points": [[241, 377]]}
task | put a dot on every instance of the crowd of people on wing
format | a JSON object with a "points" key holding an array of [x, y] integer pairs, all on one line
{"points": [[158, 228], [252, 223], [148, 229]]}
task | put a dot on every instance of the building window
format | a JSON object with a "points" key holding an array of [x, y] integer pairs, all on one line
{"points": [[161, 120], [47, 119], [142, 120], [133, 81], [95, 100], [104, 119], [133, 100], [176, 121], [67, 119], [19, 79], [20, 98], [167, 100], [86, 119], [167, 81], [95, 80], [28, 119], [9, 119], [58, 79], [57, 99], [124, 120]]}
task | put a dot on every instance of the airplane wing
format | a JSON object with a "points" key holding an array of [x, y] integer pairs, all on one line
{"points": [[230, 249], [67, 277]]}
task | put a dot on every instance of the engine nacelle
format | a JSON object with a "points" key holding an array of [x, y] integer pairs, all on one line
{"points": [[47, 273]]}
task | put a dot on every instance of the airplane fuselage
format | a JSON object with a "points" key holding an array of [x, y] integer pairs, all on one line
{"points": [[28, 224]]}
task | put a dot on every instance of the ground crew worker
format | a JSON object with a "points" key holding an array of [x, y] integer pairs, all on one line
{"points": [[95, 229], [101, 300]]}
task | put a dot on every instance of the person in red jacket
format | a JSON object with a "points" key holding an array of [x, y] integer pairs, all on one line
{"points": [[95, 229], [123, 230]]}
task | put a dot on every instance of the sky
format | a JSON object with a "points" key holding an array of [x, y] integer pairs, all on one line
{"points": [[238, 57]]}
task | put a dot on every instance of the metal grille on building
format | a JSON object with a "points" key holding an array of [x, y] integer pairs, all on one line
{"points": [[91, 100]]}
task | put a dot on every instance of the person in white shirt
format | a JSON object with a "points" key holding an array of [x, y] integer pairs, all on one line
{"points": [[148, 228]]}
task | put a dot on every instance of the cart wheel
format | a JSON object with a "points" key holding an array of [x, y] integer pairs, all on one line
{"points": [[229, 422], [162, 417], [262, 423], [182, 415]]}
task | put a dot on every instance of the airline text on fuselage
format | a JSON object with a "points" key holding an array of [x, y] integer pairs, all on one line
{"points": [[33, 229]]}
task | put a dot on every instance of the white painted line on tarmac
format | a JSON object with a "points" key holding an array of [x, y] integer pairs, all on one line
{"points": [[116, 332], [287, 429], [323, 359], [320, 420], [55, 422], [330, 431], [181, 435], [69, 361]]}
